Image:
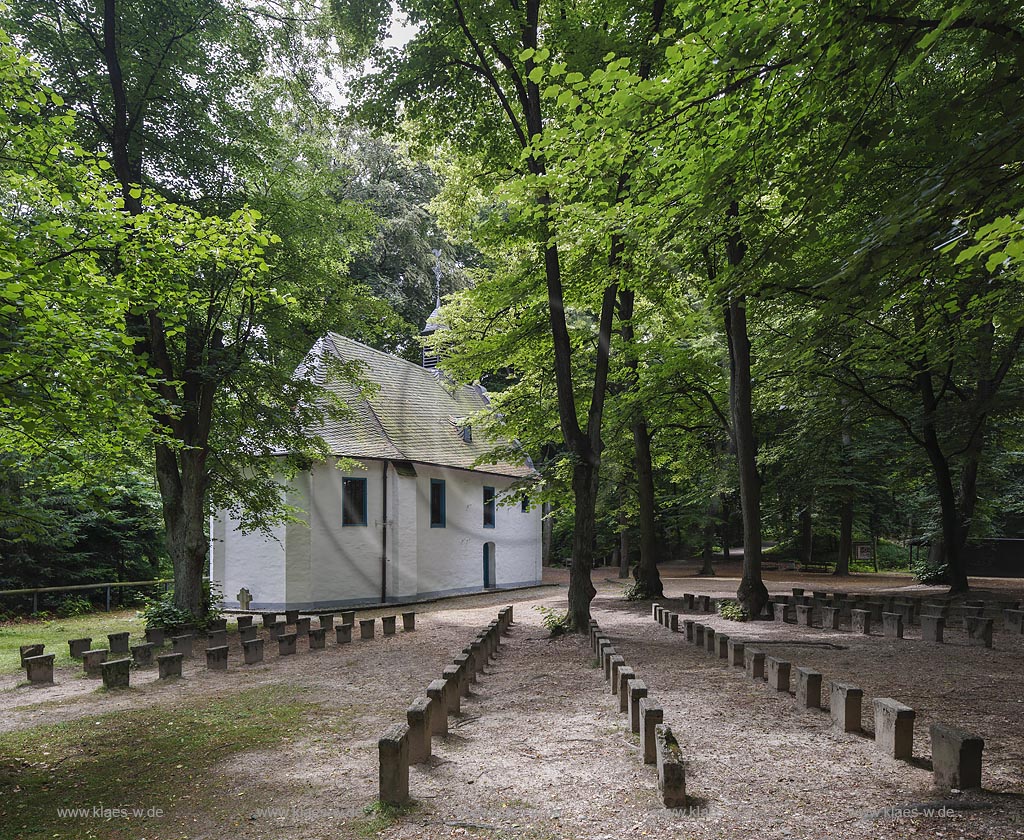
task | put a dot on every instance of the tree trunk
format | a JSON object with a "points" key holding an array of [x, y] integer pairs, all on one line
{"points": [[581, 588], [751, 593], [726, 530], [845, 539], [707, 552], [806, 535], [646, 572], [623, 550], [545, 532], [182, 480]]}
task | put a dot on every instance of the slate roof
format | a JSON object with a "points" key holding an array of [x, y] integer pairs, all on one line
{"points": [[414, 415]]}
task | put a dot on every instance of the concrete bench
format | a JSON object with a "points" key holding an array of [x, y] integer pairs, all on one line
{"points": [[932, 628], [736, 653], [25, 651], [276, 630], [808, 688], [317, 638], [778, 673], [291, 616], [302, 626], [216, 638], [78, 647], [845, 706], [116, 673], [348, 617], [892, 625], [118, 642], [614, 663], [39, 668], [453, 685], [92, 662], [408, 622], [956, 757], [182, 645], [155, 636], [688, 601], [366, 630], [709, 639], [673, 622], [247, 634], [671, 770], [462, 662], [169, 665], [704, 604], [656, 612], [243, 621], [217, 658], [860, 622], [343, 632], [215, 624], [1013, 620], [651, 715], [625, 675], [804, 615], [723, 645], [753, 661], [698, 634], [894, 728], [286, 644], [388, 623], [979, 631], [689, 626], [437, 691], [268, 620], [780, 612], [252, 651], [142, 655], [830, 618], [605, 650], [637, 690], [393, 756], [419, 716]]}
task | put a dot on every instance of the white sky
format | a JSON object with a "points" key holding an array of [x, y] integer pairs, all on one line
{"points": [[400, 32]]}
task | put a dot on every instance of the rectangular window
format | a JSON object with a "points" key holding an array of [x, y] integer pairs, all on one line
{"points": [[524, 506], [489, 507], [353, 501], [436, 503]]}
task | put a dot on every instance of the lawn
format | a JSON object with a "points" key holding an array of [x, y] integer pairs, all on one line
{"points": [[54, 633]]}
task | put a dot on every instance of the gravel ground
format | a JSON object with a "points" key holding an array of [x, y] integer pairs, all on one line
{"points": [[541, 751]]}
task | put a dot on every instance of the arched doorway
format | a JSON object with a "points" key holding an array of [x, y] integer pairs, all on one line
{"points": [[489, 569]]}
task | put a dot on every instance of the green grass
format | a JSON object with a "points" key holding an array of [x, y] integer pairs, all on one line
{"points": [[379, 816], [146, 758], [54, 633]]}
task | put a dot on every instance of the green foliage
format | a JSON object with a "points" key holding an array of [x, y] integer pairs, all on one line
{"points": [[636, 591], [73, 605], [161, 613], [732, 610], [928, 573], [557, 622]]}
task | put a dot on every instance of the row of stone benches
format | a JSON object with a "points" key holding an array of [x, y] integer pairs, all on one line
{"points": [[410, 742], [956, 755], [39, 665], [646, 719]]}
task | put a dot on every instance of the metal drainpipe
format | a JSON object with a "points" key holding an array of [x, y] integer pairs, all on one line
{"points": [[384, 542]]}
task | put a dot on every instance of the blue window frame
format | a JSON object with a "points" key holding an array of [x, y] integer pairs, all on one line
{"points": [[489, 507], [353, 501], [437, 503]]}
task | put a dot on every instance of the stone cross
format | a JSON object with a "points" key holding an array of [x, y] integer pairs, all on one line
{"points": [[244, 598]]}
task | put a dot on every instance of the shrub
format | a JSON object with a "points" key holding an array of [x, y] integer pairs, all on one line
{"points": [[557, 622], [732, 610], [73, 605], [927, 573], [161, 613], [636, 591]]}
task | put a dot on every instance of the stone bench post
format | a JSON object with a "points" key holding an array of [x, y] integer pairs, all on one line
{"points": [[805, 615], [845, 706], [92, 661], [276, 630], [247, 634], [155, 636], [348, 617], [932, 628], [116, 673], [637, 690], [892, 625], [830, 618], [418, 716], [216, 638], [979, 631], [142, 654], [671, 771], [326, 621], [366, 626], [673, 622], [704, 603], [408, 622], [1013, 620], [780, 612], [243, 621], [24, 651], [78, 647], [462, 663], [607, 650], [393, 755], [698, 634], [808, 688], [118, 642], [651, 715], [343, 633], [217, 658], [182, 645], [894, 728], [470, 663], [622, 688], [614, 663], [479, 655], [253, 651], [453, 684], [956, 757], [215, 624], [268, 619], [169, 665], [860, 622], [291, 616], [753, 660], [723, 645], [286, 644], [436, 691], [778, 673], [39, 668], [388, 623], [736, 653], [689, 626], [709, 639], [302, 626], [656, 612], [688, 601], [317, 638]]}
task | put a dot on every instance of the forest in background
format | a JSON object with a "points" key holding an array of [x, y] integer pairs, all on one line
{"points": [[731, 276]]}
